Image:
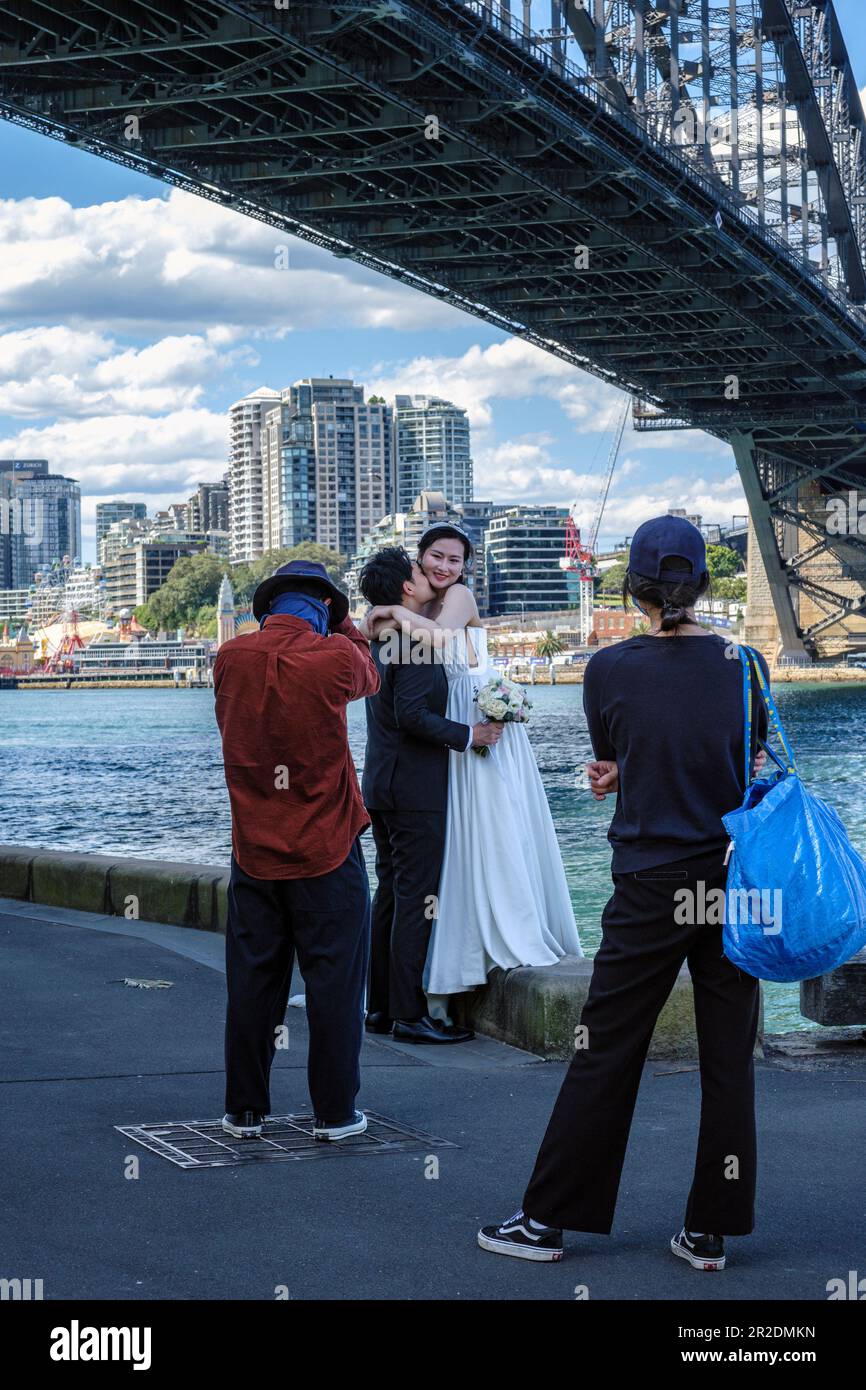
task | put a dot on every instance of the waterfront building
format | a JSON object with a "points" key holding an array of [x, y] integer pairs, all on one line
{"points": [[143, 655], [109, 512], [523, 545], [353, 449], [14, 604], [612, 625], [288, 476], [40, 520], [119, 535], [161, 527], [246, 509], [16, 653], [142, 568], [432, 450], [208, 508], [85, 590], [475, 517], [217, 542]]}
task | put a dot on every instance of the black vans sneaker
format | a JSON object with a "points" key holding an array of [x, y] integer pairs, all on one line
{"points": [[517, 1236], [702, 1252]]}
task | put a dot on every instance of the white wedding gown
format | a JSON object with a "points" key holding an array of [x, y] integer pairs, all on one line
{"points": [[503, 898]]}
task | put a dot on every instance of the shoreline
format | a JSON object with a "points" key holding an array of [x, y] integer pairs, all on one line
{"points": [[564, 675]]}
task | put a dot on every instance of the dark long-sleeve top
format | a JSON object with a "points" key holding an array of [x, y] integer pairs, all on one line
{"points": [[409, 737], [669, 712]]}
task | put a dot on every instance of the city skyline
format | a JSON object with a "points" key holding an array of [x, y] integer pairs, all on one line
{"points": [[133, 315]]}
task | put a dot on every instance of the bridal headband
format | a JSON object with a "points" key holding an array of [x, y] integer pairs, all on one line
{"points": [[450, 525]]}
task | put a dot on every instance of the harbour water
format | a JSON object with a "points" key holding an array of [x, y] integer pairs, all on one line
{"points": [[138, 772]]}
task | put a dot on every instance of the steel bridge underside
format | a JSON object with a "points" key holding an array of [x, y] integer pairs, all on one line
{"points": [[418, 140]]}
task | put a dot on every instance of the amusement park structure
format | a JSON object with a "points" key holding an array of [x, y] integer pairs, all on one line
{"points": [[63, 657], [579, 558]]}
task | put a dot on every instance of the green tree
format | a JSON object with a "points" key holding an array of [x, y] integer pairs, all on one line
{"points": [[722, 562], [734, 589], [243, 583], [549, 645], [189, 595], [192, 581], [335, 564], [205, 622], [611, 579]]}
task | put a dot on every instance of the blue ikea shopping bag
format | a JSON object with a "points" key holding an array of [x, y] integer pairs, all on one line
{"points": [[795, 900]]}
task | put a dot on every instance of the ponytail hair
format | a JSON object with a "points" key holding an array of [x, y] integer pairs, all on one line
{"points": [[673, 597]]}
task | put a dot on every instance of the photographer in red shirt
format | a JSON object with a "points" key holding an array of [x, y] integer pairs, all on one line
{"points": [[298, 879]]}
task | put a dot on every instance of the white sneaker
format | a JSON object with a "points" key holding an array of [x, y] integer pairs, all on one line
{"points": [[326, 1133]]}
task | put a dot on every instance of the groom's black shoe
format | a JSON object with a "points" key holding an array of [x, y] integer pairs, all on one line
{"points": [[430, 1030], [378, 1022]]}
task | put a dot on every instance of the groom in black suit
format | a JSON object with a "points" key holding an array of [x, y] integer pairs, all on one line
{"points": [[405, 790]]}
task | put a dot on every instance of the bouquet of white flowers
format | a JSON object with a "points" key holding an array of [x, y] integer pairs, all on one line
{"points": [[502, 700]]}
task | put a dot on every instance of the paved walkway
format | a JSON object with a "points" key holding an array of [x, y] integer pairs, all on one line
{"points": [[83, 1053]]}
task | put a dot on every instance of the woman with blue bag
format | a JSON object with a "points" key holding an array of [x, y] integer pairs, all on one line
{"points": [[665, 713]]}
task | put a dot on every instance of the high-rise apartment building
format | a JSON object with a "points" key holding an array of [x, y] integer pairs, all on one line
{"points": [[288, 476], [40, 520], [246, 509], [140, 569], [208, 508], [432, 449], [523, 546], [108, 512], [352, 447]]}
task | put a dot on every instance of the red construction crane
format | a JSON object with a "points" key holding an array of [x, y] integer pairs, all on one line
{"points": [[579, 558]]}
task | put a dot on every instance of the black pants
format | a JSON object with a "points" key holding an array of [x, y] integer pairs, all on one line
{"points": [[409, 850], [577, 1172], [327, 921]]}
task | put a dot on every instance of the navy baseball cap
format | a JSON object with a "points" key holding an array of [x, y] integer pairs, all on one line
{"points": [[659, 539], [291, 576]]}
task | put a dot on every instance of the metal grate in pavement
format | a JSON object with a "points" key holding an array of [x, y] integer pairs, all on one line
{"points": [[204, 1143]]}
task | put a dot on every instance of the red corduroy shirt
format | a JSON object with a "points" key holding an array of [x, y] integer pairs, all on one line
{"points": [[281, 697]]}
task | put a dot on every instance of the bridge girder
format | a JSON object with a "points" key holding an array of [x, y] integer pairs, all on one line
{"points": [[316, 120]]}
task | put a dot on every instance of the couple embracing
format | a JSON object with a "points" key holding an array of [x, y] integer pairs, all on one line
{"points": [[469, 871]]}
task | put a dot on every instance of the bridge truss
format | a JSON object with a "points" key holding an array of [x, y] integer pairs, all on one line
{"points": [[670, 195]]}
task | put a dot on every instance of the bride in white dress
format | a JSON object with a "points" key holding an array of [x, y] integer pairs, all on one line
{"points": [[503, 898]]}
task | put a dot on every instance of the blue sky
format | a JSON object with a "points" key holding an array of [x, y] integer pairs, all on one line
{"points": [[132, 316]]}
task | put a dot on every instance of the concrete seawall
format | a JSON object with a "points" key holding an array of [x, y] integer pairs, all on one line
{"points": [[535, 1008]]}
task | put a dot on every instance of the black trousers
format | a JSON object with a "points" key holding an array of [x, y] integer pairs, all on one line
{"points": [[576, 1178], [409, 850], [326, 920]]}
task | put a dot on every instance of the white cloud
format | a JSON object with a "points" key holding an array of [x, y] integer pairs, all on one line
{"points": [[715, 500], [524, 470], [75, 373], [510, 370], [128, 454], [141, 265]]}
